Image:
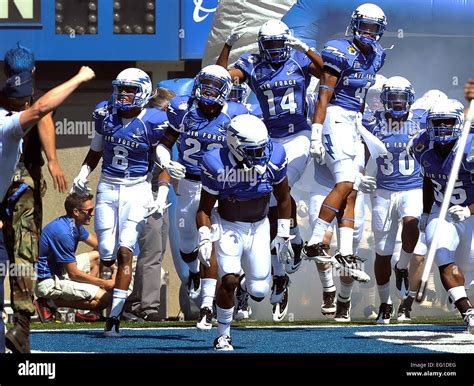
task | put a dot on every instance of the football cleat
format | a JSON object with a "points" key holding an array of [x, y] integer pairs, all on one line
{"points": [[280, 309], [343, 311], [112, 325], [348, 266], [242, 308], [385, 313], [329, 303], [194, 285], [469, 319], [205, 319], [44, 309], [404, 310], [223, 343], [401, 281], [317, 252], [295, 263], [280, 283]]}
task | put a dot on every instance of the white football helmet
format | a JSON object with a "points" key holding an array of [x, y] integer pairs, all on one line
{"points": [[271, 41], [429, 99], [212, 85], [373, 94], [445, 121], [397, 96], [368, 19], [132, 77], [248, 141], [239, 93]]}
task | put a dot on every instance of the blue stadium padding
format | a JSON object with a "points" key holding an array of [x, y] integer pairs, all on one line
{"points": [[182, 86]]}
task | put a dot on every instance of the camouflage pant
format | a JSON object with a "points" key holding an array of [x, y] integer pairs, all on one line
{"points": [[22, 230]]}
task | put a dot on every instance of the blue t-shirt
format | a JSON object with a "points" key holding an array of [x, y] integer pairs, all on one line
{"points": [[197, 133], [57, 246], [397, 170], [222, 177], [438, 169], [127, 149], [356, 71], [280, 90]]}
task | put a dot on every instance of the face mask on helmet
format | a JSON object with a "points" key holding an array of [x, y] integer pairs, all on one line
{"points": [[257, 156], [210, 89], [444, 129], [397, 102], [132, 89], [368, 23], [238, 93]]}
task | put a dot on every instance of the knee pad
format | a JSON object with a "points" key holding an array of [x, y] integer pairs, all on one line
{"points": [[258, 289], [189, 257]]}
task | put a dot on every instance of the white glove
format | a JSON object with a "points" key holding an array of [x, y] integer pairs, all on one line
{"points": [[159, 205], [236, 33], [174, 169], [283, 248], [317, 148], [79, 185], [368, 184], [410, 150], [297, 44], [303, 209], [459, 213], [282, 241], [205, 246], [423, 222]]}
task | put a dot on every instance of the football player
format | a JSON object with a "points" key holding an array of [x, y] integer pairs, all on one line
{"points": [[349, 71], [197, 125], [242, 178], [279, 76], [125, 135], [399, 191], [435, 150]]}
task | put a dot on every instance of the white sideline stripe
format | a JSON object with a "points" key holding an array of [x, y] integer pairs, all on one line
{"points": [[66, 352], [392, 326]]}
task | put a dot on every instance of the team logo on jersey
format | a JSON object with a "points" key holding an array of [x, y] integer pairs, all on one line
{"points": [[351, 50], [291, 70], [356, 65], [426, 164], [419, 147], [183, 105]]}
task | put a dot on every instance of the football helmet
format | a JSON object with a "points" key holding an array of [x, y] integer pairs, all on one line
{"points": [[429, 99], [212, 85], [368, 19], [445, 121], [397, 96], [373, 94], [238, 93], [248, 141], [272, 37], [136, 78]]}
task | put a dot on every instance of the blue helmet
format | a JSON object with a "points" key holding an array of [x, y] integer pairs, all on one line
{"points": [[212, 85], [397, 96], [368, 18], [238, 93], [445, 121]]}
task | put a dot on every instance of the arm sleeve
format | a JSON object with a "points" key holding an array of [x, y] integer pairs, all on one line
{"points": [[278, 164], [175, 112], [209, 177], [334, 58], [12, 128]]}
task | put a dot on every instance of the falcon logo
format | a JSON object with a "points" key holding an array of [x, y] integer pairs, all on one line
{"points": [[335, 51]]}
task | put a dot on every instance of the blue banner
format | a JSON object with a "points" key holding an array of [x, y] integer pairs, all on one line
{"points": [[196, 22]]}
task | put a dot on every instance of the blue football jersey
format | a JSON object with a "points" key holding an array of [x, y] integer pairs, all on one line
{"points": [[438, 169], [280, 90], [127, 148], [223, 178], [397, 170], [356, 71], [198, 134]]}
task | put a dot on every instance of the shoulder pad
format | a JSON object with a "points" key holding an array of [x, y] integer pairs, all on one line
{"points": [[278, 159], [102, 109], [236, 108], [178, 103], [212, 163]]}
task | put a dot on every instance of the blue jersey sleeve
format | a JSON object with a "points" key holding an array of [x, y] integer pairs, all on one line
{"points": [[236, 108], [246, 64], [101, 110], [420, 145], [335, 56], [211, 169], [369, 121], [303, 60], [278, 163], [83, 233], [176, 110], [157, 121]]}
